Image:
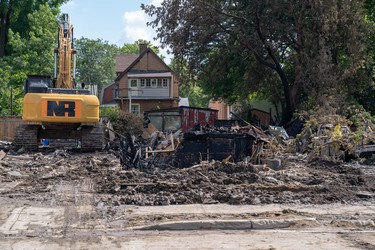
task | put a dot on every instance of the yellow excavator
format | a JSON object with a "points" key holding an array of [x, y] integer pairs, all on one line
{"points": [[55, 112]]}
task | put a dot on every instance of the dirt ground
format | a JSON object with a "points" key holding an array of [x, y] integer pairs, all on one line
{"points": [[35, 175], [53, 178]]}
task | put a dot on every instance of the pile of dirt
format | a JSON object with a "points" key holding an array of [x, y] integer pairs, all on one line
{"points": [[35, 176]]}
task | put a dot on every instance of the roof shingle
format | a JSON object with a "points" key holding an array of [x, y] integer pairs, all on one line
{"points": [[124, 61]]}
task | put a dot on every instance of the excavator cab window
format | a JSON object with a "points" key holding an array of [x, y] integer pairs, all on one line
{"points": [[37, 84]]}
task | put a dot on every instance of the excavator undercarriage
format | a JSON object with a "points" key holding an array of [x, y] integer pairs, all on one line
{"points": [[85, 137]]}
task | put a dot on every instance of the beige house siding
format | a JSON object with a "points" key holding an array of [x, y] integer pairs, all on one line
{"points": [[123, 86], [175, 85], [222, 107], [145, 69]]}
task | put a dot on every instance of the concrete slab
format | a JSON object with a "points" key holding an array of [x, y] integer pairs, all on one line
{"points": [[253, 209], [264, 239], [28, 219]]}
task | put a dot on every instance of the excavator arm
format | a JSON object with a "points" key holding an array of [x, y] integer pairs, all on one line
{"points": [[64, 53]]}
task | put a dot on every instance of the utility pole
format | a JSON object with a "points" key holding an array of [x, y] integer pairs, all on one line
{"points": [[11, 101], [130, 90]]}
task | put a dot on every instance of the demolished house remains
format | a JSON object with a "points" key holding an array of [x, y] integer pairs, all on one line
{"points": [[183, 137]]}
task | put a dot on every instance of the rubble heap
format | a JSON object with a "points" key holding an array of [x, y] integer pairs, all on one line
{"points": [[36, 176]]}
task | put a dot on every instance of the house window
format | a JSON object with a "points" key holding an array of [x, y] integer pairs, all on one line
{"points": [[153, 83], [136, 109], [160, 83], [148, 83], [115, 93], [143, 83], [133, 83], [165, 83]]}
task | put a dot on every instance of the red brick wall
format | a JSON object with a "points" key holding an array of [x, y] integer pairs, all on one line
{"points": [[108, 94], [147, 105]]}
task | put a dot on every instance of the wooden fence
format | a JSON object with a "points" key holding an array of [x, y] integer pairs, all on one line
{"points": [[8, 125]]}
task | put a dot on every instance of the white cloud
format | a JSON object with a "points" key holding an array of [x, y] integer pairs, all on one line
{"points": [[135, 28], [156, 2], [71, 4]]}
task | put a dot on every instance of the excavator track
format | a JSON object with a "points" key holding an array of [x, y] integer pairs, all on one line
{"points": [[26, 136], [92, 138]]}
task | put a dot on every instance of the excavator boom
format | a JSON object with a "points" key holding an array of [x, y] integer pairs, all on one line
{"points": [[65, 52]]}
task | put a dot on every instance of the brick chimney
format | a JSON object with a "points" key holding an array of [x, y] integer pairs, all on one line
{"points": [[142, 47]]}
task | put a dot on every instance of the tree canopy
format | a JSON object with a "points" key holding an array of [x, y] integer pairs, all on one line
{"points": [[95, 61], [133, 48], [28, 39], [14, 17], [31, 54], [297, 51]]}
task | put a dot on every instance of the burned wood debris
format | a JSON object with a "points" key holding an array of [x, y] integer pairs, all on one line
{"points": [[329, 140], [202, 144]]}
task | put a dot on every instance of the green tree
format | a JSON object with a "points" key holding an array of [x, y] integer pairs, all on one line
{"points": [[306, 47], [14, 16], [365, 95], [95, 61], [189, 86], [133, 48], [31, 55], [34, 54]]}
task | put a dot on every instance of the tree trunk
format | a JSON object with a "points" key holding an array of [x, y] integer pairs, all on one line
{"points": [[2, 33], [288, 109], [4, 26]]}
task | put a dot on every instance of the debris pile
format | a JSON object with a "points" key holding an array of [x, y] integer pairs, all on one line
{"points": [[334, 138], [199, 145], [235, 165], [329, 138], [37, 176]]}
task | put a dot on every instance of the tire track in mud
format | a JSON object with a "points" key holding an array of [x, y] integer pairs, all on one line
{"points": [[77, 198]]}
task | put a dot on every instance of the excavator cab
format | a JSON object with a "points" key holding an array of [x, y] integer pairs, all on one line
{"points": [[37, 84]]}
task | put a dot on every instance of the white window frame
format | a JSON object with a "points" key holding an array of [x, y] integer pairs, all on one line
{"points": [[160, 82], [132, 81], [153, 83], [148, 83], [165, 82], [143, 83], [136, 108]]}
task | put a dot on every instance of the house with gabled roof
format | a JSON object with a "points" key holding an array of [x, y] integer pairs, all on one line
{"points": [[144, 82]]}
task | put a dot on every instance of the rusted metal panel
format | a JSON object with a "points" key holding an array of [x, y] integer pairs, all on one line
{"points": [[8, 124], [188, 118], [193, 116]]}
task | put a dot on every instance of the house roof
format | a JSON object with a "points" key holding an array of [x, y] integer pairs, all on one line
{"points": [[124, 61], [135, 61], [151, 74]]}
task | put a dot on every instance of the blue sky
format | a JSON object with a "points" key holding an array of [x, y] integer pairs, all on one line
{"points": [[115, 21]]}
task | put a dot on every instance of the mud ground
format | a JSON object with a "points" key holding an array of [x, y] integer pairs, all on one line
{"points": [[35, 176], [92, 191]]}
